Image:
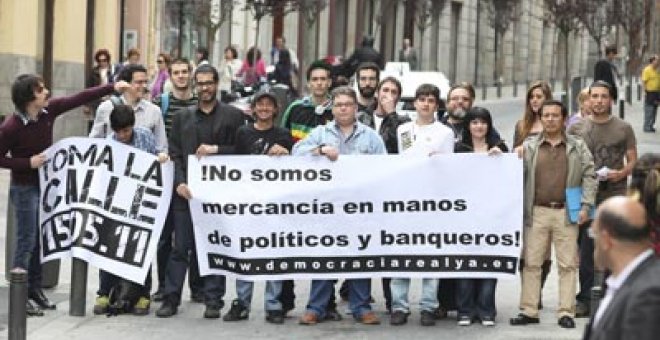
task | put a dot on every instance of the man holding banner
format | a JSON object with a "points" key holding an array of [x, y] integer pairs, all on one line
{"points": [[343, 135], [558, 170], [25, 135], [205, 129]]}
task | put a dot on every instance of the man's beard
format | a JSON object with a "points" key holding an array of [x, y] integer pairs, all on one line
{"points": [[458, 113], [367, 92]]}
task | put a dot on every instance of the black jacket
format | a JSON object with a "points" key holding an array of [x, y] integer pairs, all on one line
{"points": [[603, 70], [183, 140], [387, 129]]}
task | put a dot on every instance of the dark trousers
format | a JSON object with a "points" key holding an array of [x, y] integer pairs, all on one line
{"points": [[586, 248], [447, 294], [475, 298], [288, 296], [163, 252], [180, 260]]}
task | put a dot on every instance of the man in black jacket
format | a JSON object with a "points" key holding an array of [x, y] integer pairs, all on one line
{"points": [[365, 53], [205, 129], [606, 71]]}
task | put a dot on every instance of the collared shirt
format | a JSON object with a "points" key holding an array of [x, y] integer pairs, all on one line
{"points": [[363, 140], [204, 126], [551, 172], [141, 139], [615, 282], [25, 119], [147, 115]]}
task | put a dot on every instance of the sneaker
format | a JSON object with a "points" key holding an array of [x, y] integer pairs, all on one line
{"points": [[427, 318], [101, 304], [32, 310], [274, 317], [158, 296], [398, 318], [212, 312], [166, 310], [487, 321], [464, 321], [142, 306], [237, 312], [368, 318]]}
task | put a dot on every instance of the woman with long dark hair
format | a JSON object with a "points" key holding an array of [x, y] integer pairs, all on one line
{"points": [[254, 68], [475, 298]]}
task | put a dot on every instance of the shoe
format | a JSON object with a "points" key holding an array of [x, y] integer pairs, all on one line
{"points": [[427, 318], [649, 130], [142, 306], [582, 310], [522, 320], [566, 322], [440, 313], [166, 310], [40, 299], [287, 309], [237, 312], [398, 318], [309, 318], [212, 312], [158, 296], [332, 315], [488, 321], [464, 321], [274, 316], [101, 304], [197, 297], [32, 310], [368, 318]]}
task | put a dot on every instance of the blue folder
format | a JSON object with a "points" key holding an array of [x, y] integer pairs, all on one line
{"points": [[574, 204]]}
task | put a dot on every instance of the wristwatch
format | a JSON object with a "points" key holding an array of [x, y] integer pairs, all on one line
{"points": [[321, 149]]}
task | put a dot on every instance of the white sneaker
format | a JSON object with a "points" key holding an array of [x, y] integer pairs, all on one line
{"points": [[464, 321], [488, 322]]}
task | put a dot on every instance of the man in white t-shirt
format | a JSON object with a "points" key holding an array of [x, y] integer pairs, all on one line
{"points": [[425, 135]]}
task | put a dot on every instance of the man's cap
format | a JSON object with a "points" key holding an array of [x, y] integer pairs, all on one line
{"points": [[264, 94]]}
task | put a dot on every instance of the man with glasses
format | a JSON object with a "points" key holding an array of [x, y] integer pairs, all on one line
{"points": [[555, 164], [171, 103], [148, 116], [343, 135], [208, 128]]}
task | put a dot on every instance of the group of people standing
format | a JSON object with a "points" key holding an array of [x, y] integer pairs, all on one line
{"points": [[587, 163]]}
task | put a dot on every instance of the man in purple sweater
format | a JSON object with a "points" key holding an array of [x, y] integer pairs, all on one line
{"points": [[23, 138]]}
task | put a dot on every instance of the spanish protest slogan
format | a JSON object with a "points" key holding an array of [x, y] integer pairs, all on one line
{"points": [[260, 217], [103, 202]]}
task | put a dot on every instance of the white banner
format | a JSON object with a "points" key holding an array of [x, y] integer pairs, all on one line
{"points": [[103, 202], [260, 217]]}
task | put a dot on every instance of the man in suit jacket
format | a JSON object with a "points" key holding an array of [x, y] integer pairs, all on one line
{"points": [[631, 307], [207, 128], [606, 71]]}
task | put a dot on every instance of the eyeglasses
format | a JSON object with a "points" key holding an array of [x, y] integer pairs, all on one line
{"points": [[343, 104]]}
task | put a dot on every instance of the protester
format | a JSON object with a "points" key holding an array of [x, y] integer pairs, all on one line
{"points": [[163, 65], [427, 137], [368, 78], [476, 297], [229, 68], [343, 135], [651, 82], [253, 68], [631, 306], [25, 135], [557, 166], [645, 187], [613, 145], [300, 118], [205, 129], [201, 56], [261, 138], [102, 73], [172, 103], [408, 54], [584, 108], [364, 53]]}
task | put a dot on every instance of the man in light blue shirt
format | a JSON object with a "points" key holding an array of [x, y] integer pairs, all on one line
{"points": [[346, 136]]}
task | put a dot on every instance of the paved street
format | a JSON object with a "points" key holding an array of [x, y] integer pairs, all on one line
{"points": [[189, 323]]}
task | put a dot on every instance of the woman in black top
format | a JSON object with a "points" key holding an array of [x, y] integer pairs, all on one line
{"points": [[476, 297]]}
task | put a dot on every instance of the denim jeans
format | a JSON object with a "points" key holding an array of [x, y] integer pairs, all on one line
{"points": [[177, 266], [650, 112], [271, 302], [400, 288], [358, 297], [476, 298], [27, 254]]}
